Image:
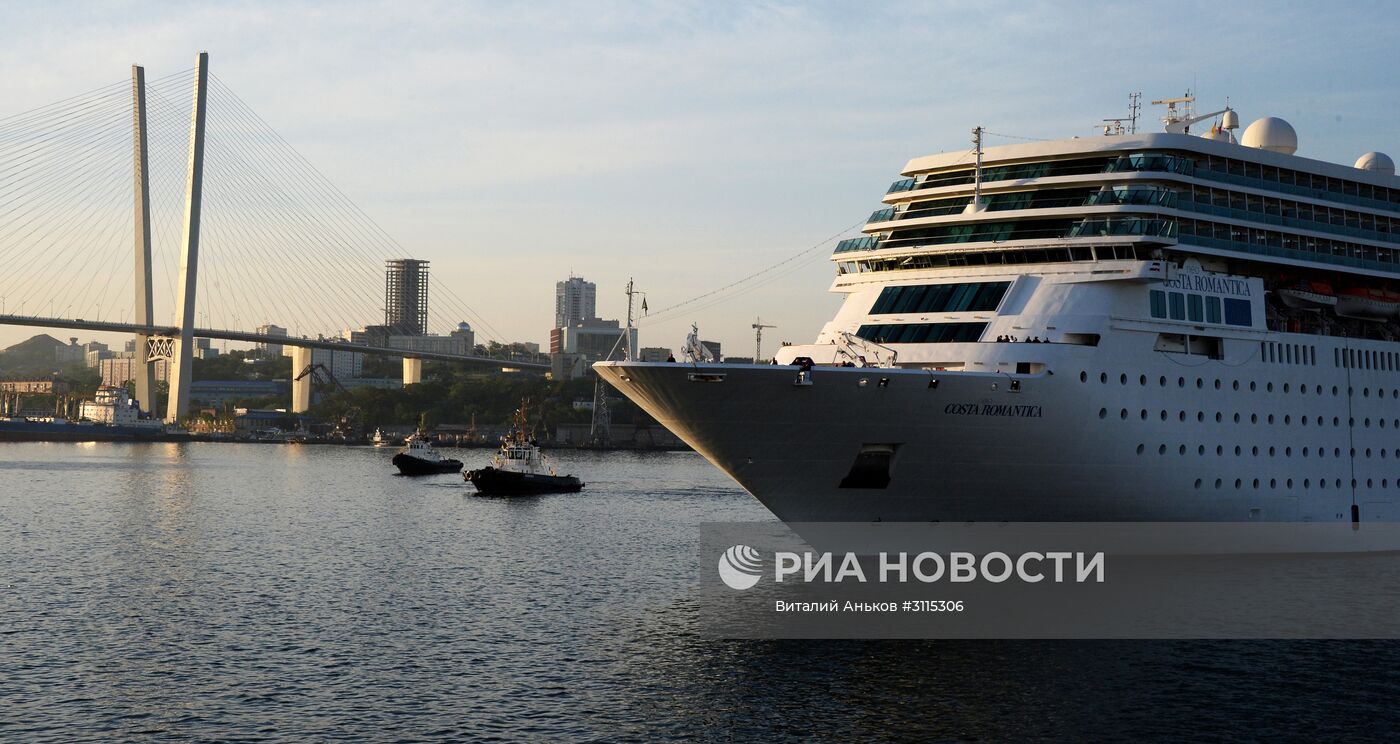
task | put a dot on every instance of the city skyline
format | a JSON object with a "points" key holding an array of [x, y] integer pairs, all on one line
{"points": [[685, 146]]}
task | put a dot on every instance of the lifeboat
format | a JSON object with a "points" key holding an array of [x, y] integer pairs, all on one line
{"points": [[1308, 296], [1368, 304]]}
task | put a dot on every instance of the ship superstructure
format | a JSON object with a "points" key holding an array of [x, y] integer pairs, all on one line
{"points": [[1146, 326]]}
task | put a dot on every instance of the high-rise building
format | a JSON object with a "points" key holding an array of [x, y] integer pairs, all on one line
{"points": [[575, 301], [270, 349], [406, 296]]}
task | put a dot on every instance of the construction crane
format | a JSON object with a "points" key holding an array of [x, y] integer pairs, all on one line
{"points": [[350, 422], [758, 326]]}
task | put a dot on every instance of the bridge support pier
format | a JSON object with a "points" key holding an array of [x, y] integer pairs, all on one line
{"points": [[301, 384], [412, 371]]}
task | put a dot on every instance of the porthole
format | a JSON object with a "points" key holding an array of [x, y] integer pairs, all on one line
{"points": [[1368, 483], [1289, 483], [1200, 383], [1303, 420], [1217, 417], [1253, 418], [1238, 483], [1103, 377], [1235, 385], [1334, 390], [1365, 392], [1251, 386], [1161, 449], [1162, 381], [1123, 379], [1143, 415], [1367, 422], [1238, 450], [1287, 451], [1322, 483], [1219, 450], [1217, 482], [1237, 418], [1181, 382], [1336, 421], [1181, 450], [1307, 483], [1285, 387], [1200, 416], [1271, 419], [1123, 414], [1141, 448], [1339, 482], [1181, 416], [1319, 390], [1302, 389], [1269, 388], [1200, 449], [1164, 415], [1103, 413], [1287, 419], [1198, 483], [1083, 376], [1305, 452], [1273, 483], [1271, 452], [1217, 384], [1142, 380], [1256, 484], [1254, 451], [1337, 452]]}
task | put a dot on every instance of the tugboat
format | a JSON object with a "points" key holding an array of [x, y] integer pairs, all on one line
{"points": [[519, 468], [419, 458]]}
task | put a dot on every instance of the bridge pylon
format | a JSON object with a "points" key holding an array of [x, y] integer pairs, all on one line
{"points": [[181, 369], [144, 368]]}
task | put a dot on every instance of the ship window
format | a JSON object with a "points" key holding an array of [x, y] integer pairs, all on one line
{"points": [[1212, 309], [1159, 303], [922, 333], [1237, 312], [1177, 305], [940, 298], [1194, 308]]}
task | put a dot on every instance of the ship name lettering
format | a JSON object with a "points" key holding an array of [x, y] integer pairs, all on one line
{"points": [[993, 409]]}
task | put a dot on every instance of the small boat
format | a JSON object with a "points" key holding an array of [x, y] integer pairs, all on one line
{"points": [[379, 439], [519, 468], [1308, 296], [419, 458], [1367, 304]]}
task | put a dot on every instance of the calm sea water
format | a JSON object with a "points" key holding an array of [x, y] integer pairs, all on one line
{"points": [[263, 592]]}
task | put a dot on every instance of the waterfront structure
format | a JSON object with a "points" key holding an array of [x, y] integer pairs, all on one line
{"points": [[1138, 326], [39, 387], [575, 301], [270, 348], [406, 296], [218, 392]]}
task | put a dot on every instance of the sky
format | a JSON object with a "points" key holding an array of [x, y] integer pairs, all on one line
{"points": [[688, 145]]}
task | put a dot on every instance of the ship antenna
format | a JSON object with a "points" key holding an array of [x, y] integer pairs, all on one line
{"points": [[976, 204], [1134, 108]]}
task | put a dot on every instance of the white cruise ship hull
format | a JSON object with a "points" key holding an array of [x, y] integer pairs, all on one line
{"points": [[1140, 442]]}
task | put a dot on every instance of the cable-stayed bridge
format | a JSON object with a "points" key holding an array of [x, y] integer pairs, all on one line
{"points": [[210, 206]]}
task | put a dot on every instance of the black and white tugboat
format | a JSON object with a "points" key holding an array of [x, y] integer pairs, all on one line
{"points": [[519, 468], [419, 458]]}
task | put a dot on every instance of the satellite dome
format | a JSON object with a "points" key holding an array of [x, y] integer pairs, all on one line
{"points": [[1376, 162], [1271, 133], [1231, 120]]}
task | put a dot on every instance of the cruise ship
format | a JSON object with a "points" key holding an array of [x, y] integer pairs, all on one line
{"points": [[1180, 325]]}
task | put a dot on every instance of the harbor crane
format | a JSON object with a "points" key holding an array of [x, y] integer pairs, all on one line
{"points": [[758, 326]]}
